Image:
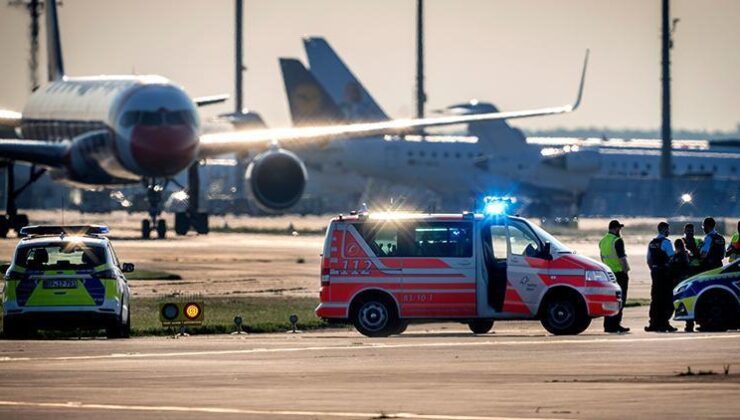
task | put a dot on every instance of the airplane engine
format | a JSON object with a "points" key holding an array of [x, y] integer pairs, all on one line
{"points": [[276, 179], [583, 161], [85, 153]]}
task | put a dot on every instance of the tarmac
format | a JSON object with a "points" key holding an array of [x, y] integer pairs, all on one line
{"points": [[433, 371]]}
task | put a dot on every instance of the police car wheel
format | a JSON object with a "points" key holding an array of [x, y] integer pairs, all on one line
{"points": [[715, 312], [564, 314], [481, 326], [375, 317]]}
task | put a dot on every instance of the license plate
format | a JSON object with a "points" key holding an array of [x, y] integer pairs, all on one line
{"points": [[60, 284]]}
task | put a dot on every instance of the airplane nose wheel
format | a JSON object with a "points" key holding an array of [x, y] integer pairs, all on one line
{"points": [[154, 192]]}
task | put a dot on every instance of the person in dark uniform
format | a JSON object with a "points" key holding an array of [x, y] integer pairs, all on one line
{"points": [[660, 251], [713, 249], [680, 265], [611, 248]]}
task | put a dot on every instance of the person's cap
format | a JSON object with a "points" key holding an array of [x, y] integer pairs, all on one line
{"points": [[615, 224]]}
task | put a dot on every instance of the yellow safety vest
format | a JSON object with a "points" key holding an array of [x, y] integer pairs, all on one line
{"points": [[735, 243], [609, 252]]}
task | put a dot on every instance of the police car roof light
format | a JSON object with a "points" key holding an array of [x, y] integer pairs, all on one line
{"points": [[65, 230]]}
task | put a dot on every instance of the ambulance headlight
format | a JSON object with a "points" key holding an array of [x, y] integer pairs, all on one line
{"points": [[596, 275]]}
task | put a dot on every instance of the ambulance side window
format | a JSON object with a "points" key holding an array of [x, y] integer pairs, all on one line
{"points": [[382, 238], [498, 240], [523, 241], [442, 239]]}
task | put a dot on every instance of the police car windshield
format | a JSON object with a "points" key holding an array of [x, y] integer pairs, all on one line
{"points": [[556, 247], [60, 256]]}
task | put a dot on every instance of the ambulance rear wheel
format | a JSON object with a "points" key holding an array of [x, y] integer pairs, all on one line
{"points": [[401, 327], [481, 326], [564, 313], [375, 316]]}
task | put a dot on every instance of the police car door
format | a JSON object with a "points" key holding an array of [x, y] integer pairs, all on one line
{"points": [[524, 267]]}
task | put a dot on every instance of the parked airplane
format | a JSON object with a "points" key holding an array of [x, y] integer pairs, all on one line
{"points": [[118, 130], [501, 156]]}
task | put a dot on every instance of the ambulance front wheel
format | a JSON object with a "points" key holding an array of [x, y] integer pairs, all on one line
{"points": [[564, 313], [481, 326], [375, 315]]}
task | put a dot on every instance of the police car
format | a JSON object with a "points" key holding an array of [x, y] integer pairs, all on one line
{"points": [[66, 277], [382, 271], [712, 298]]}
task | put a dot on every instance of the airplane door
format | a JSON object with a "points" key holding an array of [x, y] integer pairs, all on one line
{"points": [[524, 267]]}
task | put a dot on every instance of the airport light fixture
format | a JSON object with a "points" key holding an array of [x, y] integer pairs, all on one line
{"points": [[686, 198]]}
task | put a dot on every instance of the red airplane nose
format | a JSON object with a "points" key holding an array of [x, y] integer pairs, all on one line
{"points": [[163, 150]]}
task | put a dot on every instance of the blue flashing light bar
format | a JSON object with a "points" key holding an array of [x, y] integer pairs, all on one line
{"points": [[497, 206], [69, 230]]}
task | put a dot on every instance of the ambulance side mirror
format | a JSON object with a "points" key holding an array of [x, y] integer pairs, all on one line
{"points": [[546, 251]]}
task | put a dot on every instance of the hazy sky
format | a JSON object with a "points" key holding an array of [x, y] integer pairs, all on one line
{"points": [[516, 54]]}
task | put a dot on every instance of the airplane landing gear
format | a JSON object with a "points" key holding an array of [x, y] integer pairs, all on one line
{"points": [[12, 219], [191, 217], [154, 197]]}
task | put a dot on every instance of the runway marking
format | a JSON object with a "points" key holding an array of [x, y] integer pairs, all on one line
{"points": [[372, 346], [225, 410]]}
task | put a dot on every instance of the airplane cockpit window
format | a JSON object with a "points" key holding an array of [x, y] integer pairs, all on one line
{"points": [[130, 118], [151, 118]]}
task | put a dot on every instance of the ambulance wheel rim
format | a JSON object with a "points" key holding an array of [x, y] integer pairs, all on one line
{"points": [[562, 314], [373, 316]]}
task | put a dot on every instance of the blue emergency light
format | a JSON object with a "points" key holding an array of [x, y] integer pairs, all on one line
{"points": [[497, 206]]}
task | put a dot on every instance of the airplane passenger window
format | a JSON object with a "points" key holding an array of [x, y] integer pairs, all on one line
{"points": [[523, 242]]}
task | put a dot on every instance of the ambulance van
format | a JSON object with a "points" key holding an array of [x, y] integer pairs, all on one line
{"points": [[382, 271]]}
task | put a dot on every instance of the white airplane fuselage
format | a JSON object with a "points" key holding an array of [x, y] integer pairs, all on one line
{"points": [[118, 129]]}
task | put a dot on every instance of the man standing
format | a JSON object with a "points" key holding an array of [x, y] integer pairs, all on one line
{"points": [[733, 251], [693, 247], [611, 248], [713, 249], [660, 250]]}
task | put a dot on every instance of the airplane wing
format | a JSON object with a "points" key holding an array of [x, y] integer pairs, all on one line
{"points": [[312, 137], [33, 151], [10, 118]]}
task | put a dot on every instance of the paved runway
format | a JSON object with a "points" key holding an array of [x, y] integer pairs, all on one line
{"points": [[435, 371]]}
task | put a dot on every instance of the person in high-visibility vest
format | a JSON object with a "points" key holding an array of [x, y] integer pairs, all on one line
{"points": [[611, 248], [733, 250], [693, 246]]}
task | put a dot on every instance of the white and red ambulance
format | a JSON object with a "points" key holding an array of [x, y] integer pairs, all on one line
{"points": [[382, 271]]}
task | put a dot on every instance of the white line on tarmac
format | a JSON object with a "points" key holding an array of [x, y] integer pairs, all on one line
{"points": [[225, 410], [378, 346]]}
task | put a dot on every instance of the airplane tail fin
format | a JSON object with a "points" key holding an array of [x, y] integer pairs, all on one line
{"points": [[309, 103], [340, 83], [497, 136], [53, 43]]}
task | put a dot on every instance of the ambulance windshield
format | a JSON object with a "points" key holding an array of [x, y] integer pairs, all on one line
{"points": [[556, 247]]}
